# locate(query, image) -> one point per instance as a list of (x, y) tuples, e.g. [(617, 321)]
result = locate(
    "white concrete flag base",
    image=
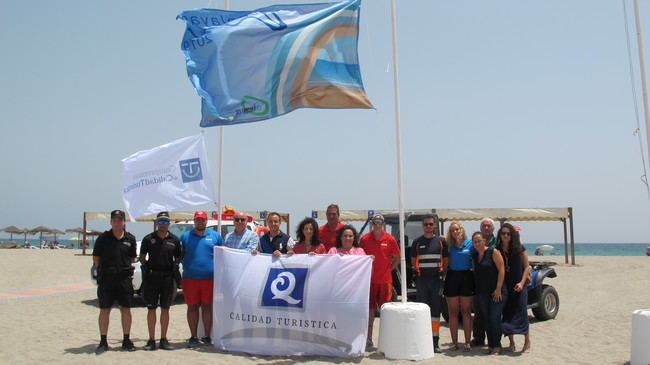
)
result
[(640, 337), (405, 331)]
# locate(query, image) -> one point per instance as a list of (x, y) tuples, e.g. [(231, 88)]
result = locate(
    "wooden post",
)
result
[(83, 243), (566, 244), (573, 252)]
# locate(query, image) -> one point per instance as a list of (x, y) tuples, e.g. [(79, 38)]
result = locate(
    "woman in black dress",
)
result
[(489, 273), (515, 313)]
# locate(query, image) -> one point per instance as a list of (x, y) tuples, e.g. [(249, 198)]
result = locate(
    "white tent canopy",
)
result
[(474, 214)]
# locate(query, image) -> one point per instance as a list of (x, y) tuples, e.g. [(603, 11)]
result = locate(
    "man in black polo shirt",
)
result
[(115, 250), (160, 252), (429, 258)]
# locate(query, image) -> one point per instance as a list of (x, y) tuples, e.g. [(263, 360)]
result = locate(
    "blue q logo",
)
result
[(191, 170), (285, 287)]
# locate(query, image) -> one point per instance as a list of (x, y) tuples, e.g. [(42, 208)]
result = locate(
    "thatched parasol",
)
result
[(11, 230), (41, 230), (56, 231)]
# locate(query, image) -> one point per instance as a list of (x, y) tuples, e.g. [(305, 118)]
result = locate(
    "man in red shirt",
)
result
[(327, 232), (383, 247)]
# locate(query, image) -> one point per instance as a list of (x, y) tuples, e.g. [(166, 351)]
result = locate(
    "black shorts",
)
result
[(113, 288), (159, 287), (459, 284)]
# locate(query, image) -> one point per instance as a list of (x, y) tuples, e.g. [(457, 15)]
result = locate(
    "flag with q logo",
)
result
[(292, 305), (168, 177)]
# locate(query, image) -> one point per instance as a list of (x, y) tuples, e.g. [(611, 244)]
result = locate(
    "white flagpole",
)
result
[(398, 138), (221, 139), (644, 86)]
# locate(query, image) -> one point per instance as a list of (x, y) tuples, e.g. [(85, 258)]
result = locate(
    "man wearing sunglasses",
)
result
[(241, 238), (160, 253), (429, 259), (383, 247)]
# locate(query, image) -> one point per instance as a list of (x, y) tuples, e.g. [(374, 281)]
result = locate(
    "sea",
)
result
[(581, 249)]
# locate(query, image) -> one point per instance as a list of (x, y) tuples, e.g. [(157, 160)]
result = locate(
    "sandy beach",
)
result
[(597, 297)]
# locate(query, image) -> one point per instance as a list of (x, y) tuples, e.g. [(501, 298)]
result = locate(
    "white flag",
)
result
[(290, 305), (168, 177)]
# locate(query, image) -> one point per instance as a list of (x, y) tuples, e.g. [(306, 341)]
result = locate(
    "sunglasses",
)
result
[(378, 223), (428, 224), (506, 234), (240, 219), (162, 221)]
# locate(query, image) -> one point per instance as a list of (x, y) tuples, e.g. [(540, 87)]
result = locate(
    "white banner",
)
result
[(168, 177), (292, 305)]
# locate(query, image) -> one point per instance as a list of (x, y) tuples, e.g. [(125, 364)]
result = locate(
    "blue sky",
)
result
[(504, 104)]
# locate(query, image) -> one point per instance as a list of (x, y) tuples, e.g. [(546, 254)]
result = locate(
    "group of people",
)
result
[(161, 252), (486, 273)]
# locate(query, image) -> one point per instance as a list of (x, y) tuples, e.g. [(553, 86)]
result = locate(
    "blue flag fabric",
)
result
[(253, 65)]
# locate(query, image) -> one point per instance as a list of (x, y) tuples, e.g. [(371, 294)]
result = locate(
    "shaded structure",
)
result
[(502, 215)]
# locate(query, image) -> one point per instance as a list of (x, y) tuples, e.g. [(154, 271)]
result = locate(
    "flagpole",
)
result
[(398, 145), (222, 130), (644, 86)]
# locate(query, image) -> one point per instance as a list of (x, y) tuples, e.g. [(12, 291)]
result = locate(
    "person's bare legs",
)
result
[(453, 305), (466, 312), (526, 347), (126, 320), (104, 316), (151, 323), (164, 322), (206, 313), (371, 321), (193, 319)]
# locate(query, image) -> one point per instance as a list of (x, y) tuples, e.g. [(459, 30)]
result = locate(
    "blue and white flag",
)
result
[(254, 65), (168, 177), (290, 305)]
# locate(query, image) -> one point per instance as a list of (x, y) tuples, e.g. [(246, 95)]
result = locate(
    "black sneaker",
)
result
[(150, 346), (369, 345), (477, 343), (206, 340), (192, 342), (127, 345), (164, 344), (103, 347), (436, 348)]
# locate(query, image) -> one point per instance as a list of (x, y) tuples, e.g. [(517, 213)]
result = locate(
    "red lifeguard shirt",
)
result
[(328, 236), (383, 250)]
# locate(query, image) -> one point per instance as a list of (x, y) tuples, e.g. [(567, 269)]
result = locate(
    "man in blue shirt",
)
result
[(242, 238), (198, 275)]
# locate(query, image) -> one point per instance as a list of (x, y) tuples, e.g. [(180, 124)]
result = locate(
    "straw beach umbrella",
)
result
[(11, 230), (56, 231), (41, 230), (77, 230)]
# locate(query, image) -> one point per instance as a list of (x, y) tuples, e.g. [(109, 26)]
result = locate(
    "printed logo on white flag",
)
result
[(167, 177), (292, 305)]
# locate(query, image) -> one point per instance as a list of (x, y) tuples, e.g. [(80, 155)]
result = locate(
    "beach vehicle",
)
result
[(543, 299), (545, 250), (178, 228)]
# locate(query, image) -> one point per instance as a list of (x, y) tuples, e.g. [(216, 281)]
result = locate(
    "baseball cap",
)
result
[(118, 214), (201, 214), (163, 215), (378, 217)]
